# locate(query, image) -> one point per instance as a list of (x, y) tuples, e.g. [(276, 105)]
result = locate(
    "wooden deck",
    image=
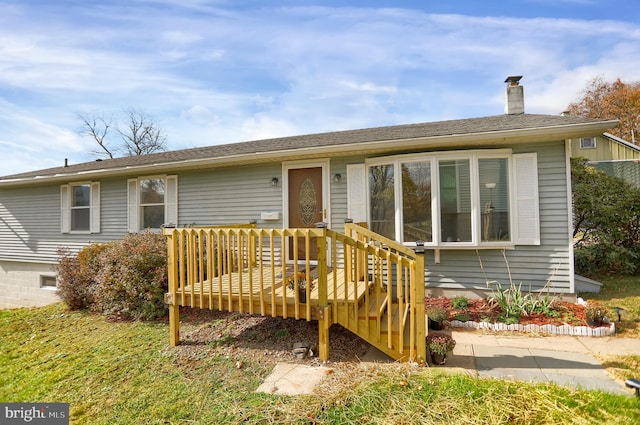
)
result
[(368, 284), (264, 292)]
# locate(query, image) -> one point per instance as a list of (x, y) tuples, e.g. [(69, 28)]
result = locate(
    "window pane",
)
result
[(152, 216), (416, 202), (494, 199), (455, 200), (152, 191), (382, 198), (81, 196), (80, 219)]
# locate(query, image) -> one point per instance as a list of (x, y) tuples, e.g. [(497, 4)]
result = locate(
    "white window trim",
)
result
[(66, 201), (473, 156), (134, 205)]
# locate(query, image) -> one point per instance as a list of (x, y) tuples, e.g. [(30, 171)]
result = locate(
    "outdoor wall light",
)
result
[(274, 182), (337, 177)]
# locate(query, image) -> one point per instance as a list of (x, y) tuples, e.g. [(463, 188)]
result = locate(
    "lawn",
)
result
[(125, 373), (624, 292)]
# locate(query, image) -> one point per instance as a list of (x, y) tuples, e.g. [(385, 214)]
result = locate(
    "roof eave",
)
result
[(517, 136)]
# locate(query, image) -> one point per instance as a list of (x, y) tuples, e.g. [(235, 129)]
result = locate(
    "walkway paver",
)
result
[(564, 360)]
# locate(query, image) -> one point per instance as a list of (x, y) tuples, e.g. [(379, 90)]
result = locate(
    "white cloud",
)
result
[(211, 73)]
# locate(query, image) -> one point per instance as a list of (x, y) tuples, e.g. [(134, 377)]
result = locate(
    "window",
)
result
[(48, 282), (494, 199), (152, 202), (587, 143), (80, 208), (382, 200), (416, 202), (456, 198)]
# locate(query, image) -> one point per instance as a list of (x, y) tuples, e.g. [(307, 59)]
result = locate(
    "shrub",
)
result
[(460, 303), (606, 216), (437, 313), (440, 343), (595, 311), (133, 279), (76, 272)]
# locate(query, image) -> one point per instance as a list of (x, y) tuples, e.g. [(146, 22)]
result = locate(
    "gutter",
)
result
[(517, 136)]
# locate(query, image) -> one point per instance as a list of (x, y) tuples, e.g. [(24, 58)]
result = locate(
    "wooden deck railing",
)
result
[(368, 284)]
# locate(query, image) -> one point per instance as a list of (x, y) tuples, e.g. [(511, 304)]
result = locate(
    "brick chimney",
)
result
[(514, 96)]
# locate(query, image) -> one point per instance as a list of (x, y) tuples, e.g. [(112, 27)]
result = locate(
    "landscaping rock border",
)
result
[(546, 329)]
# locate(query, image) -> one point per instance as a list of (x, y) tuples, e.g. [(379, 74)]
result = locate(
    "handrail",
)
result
[(393, 265), (245, 269)]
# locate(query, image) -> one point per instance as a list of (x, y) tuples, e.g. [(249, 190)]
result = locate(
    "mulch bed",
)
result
[(479, 310)]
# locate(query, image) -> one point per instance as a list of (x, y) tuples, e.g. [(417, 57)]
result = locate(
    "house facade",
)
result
[(488, 198), (604, 147)]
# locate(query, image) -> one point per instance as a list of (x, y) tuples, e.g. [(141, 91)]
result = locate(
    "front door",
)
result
[(306, 207)]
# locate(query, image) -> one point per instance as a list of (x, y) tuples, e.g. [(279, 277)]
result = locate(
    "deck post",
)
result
[(418, 301), (174, 306), (324, 309)]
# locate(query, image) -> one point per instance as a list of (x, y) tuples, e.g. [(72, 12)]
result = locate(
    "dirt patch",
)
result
[(266, 340)]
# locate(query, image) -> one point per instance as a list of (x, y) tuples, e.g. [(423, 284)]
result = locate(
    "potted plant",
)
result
[(300, 279), (437, 315), (439, 345), (595, 312)]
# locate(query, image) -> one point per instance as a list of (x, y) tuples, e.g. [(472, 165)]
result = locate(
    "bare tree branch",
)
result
[(97, 127), (142, 136)]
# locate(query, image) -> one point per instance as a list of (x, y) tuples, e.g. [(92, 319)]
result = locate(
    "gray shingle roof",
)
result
[(481, 125)]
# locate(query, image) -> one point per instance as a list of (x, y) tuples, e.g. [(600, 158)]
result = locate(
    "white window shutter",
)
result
[(133, 221), (527, 208), (357, 193), (94, 211), (65, 208), (171, 201)]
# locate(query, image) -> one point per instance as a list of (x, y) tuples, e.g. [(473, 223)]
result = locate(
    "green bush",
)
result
[(133, 279), (76, 272), (601, 259), (606, 216), (460, 303), (127, 278)]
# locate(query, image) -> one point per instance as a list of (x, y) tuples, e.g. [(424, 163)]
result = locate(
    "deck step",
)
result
[(370, 311)]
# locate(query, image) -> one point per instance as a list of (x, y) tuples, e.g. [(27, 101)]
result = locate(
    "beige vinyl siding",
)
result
[(605, 150)]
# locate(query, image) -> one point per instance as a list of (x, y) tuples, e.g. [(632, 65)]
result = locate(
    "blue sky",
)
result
[(212, 72)]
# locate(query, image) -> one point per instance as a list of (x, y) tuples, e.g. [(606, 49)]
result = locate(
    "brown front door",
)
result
[(305, 205)]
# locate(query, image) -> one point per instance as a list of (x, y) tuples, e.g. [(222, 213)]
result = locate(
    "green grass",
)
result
[(624, 292), (125, 373)]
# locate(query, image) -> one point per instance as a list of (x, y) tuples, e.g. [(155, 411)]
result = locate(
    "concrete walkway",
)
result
[(564, 360)]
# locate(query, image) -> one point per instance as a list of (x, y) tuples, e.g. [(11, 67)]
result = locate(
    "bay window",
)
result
[(454, 198)]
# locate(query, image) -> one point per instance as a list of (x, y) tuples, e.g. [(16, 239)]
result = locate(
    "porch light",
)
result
[(337, 177), (274, 182)]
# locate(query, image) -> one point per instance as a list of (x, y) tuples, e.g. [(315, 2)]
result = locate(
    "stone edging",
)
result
[(547, 329)]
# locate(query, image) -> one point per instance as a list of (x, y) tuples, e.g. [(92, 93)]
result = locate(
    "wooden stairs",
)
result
[(374, 286)]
